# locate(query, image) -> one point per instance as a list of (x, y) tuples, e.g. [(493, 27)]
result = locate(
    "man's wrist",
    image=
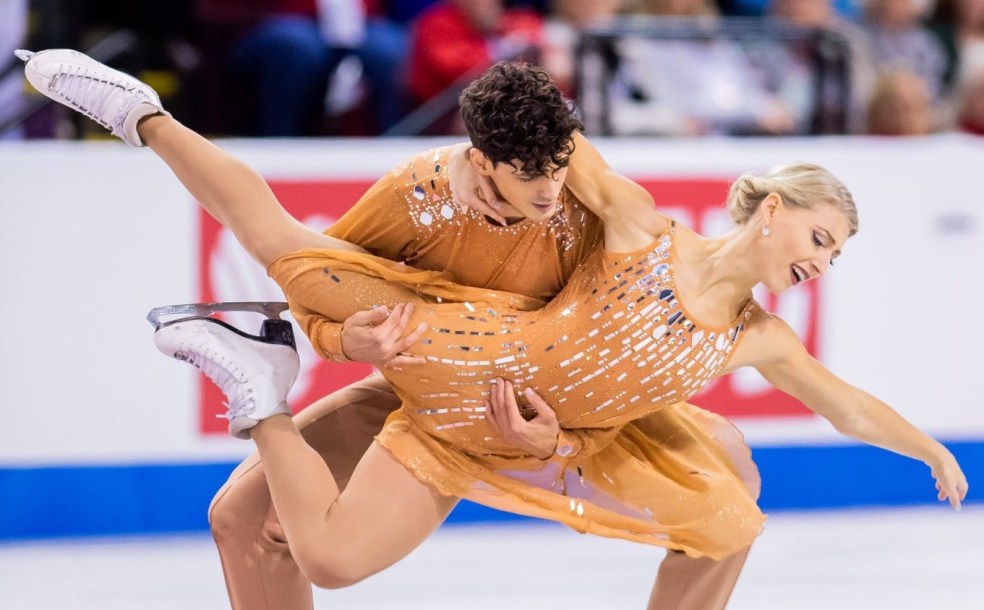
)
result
[(566, 444), (332, 341)]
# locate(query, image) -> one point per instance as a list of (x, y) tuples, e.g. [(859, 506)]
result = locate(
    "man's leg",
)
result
[(687, 583), (260, 571)]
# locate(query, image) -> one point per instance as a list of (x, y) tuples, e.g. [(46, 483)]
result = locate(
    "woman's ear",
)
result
[(771, 205)]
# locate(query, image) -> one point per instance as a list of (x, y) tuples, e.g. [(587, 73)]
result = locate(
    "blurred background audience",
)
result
[(901, 105), (13, 29), (692, 86), (289, 68)]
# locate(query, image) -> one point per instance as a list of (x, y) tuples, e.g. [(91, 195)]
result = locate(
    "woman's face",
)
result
[(802, 243)]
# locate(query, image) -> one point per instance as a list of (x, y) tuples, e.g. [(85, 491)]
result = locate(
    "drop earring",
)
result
[(765, 231)]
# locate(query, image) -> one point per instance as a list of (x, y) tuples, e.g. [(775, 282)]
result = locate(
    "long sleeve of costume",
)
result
[(369, 224)]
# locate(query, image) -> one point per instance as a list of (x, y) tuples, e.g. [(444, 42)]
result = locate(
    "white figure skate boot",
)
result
[(115, 100), (255, 372)]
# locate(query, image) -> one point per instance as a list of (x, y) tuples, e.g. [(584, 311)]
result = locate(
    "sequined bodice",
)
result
[(614, 345)]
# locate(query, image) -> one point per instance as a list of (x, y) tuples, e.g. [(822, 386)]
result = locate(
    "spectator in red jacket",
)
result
[(455, 38)]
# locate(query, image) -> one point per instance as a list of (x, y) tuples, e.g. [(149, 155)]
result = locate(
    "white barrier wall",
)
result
[(92, 235)]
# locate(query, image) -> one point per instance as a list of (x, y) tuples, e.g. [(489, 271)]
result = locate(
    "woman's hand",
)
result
[(772, 347), (469, 189), (950, 480)]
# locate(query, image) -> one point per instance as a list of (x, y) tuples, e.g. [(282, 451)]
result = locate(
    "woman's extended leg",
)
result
[(232, 192), (385, 512), (339, 539), (229, 190)]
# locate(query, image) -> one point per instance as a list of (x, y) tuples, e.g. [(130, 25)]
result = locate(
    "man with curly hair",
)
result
[(526, 235)]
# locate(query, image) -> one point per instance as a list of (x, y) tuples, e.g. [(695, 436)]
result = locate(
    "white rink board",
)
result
[(92, 235)]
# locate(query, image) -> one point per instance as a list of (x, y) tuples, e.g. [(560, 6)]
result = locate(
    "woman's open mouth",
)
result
[(797, 274)]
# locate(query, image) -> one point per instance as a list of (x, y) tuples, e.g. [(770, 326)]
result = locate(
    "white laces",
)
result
[(97, 96), (228, 376)]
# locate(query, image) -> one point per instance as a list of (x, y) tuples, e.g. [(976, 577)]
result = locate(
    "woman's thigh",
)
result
[(384, 513)]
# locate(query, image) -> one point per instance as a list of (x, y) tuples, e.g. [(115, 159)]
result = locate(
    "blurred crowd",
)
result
[(368, 67)]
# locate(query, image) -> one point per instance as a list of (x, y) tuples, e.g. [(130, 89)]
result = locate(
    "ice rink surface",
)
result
[(874, 559)]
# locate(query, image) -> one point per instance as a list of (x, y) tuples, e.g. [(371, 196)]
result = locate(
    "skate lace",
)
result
[(99, 92), (228, 376)]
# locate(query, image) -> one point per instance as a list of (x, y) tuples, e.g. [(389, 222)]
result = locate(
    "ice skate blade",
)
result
[(274, 329), (271, 309)]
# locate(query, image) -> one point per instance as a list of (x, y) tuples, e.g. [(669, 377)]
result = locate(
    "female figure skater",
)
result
[(642, 325)]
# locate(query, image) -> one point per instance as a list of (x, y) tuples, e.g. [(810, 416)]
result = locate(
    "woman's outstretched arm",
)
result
[(232, 192), (774, 349)]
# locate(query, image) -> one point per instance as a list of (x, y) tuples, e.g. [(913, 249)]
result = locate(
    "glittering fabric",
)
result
[(409, 216), (614, 354)]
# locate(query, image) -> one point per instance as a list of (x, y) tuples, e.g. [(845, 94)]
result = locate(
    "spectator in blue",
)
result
[(282, 54), (383, 53)]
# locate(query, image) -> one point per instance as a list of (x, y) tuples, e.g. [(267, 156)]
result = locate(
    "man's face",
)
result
[(521, 195)]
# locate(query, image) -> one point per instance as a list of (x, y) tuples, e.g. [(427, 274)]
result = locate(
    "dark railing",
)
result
[(827, 53)]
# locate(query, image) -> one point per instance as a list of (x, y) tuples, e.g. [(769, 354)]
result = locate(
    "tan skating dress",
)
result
[(613, 354)]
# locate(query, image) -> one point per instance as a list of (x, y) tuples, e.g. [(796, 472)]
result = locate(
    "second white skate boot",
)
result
[(255, 372)]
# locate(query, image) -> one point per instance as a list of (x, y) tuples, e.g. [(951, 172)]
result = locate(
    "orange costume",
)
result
[(614, 354)]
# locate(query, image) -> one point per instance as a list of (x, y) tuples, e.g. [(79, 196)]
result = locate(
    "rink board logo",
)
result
[(227, 273)]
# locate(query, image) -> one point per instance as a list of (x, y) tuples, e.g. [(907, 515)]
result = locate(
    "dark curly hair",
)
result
[(515, 112)]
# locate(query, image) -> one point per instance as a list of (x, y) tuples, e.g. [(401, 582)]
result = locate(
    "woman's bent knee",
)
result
[(333, 573)]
